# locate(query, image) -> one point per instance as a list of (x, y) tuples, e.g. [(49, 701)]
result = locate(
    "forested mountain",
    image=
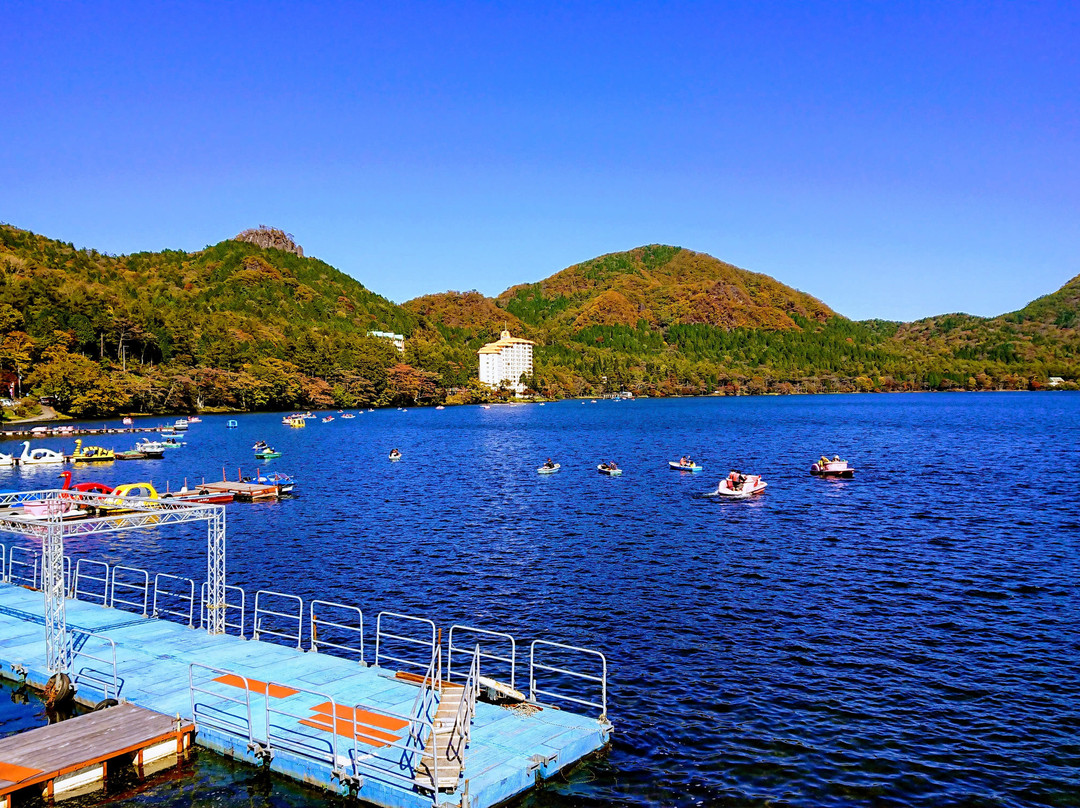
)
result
[(234, 325), (661, 286), (665, 320), (245, 326)]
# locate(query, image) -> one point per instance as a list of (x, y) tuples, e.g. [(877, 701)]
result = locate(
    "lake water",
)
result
[(908, 637)]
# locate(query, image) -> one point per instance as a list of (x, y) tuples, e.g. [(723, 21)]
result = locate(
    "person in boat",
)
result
[(548, 464), (611, 465), (824, 461), (836, 458)]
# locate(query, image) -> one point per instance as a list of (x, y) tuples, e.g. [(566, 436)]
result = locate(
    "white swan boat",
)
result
[(6, 459), (38, 457)]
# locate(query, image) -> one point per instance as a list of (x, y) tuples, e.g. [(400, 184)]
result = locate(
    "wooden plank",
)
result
[(45, 753)]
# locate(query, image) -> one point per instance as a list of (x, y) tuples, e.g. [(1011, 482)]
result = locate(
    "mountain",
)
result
[(662, 286), (233, 307), (663, 319), (251, 323)]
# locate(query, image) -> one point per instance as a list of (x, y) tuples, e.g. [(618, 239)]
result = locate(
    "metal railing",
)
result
[(216, 717), (81, 577), (168, 597), (3, 563), (129, 589), (338, 631), (230, 608), (461, 729), (508, 664), (322, 748), (23, 572), (381, 634), (258, 627), (536, 666), (108, 680), (420, 728)]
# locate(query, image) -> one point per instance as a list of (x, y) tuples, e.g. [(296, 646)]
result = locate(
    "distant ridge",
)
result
[(251, 324)]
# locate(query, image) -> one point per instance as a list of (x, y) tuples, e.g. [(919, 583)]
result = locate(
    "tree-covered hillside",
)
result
[(234, 325), (245, 326)]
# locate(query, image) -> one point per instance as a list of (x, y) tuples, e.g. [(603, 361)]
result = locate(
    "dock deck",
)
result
[(72, 756), (325, 720), (244, 492)]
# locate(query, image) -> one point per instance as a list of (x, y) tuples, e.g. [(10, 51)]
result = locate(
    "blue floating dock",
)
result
[(323, 720)]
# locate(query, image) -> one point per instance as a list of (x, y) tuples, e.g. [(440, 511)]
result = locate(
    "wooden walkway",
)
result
[(73, 756), (244, 492), (439, 743)]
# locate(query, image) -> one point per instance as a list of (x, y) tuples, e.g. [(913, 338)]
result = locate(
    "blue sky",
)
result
[(896, 160)]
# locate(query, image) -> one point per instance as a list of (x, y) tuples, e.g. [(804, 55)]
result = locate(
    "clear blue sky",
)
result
[(896, 160)]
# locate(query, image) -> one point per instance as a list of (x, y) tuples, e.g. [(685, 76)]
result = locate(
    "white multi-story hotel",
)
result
[(503, 362), (397, 339)]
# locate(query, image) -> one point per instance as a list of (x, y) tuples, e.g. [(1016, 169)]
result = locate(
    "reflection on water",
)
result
[(907, 637)]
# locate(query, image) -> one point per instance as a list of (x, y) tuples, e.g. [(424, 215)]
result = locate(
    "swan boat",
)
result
[(38, 456), (91, 454)]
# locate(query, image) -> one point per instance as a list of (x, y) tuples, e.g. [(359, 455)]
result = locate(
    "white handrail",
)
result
[(257, 626), (317, 621), (76, 589), (113, 600), (189, 597), (461, 730), (534, 666), (216, 717)]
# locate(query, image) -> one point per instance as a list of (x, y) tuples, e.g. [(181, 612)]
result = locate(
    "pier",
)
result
[(382, 710), (73, 757)]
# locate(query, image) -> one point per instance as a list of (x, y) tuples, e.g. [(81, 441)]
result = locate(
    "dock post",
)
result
[(57, 650)]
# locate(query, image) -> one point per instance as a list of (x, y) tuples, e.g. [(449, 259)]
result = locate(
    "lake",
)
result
[(907, 637)]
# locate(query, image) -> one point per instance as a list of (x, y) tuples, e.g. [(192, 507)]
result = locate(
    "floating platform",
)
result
[(328, 721), (245, 492), (73, 757)]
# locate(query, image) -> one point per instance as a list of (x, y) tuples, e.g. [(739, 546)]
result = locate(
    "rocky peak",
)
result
[(265, 236)]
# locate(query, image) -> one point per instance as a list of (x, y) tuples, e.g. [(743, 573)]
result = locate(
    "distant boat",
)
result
[(546, 469), (328, 419), (267, 453), (348, 415), (395, 454), (194, 419), (609, 469), (231, 425), (128, 421), (740, 486), (181, 424), (150, 448), (832, 468), (680, 466)]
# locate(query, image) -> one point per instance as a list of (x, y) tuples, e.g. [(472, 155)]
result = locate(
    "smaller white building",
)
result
[(502, 363), (397, 339)]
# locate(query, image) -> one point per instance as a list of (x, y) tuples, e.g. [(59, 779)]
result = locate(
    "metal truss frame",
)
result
[(109, 514)]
